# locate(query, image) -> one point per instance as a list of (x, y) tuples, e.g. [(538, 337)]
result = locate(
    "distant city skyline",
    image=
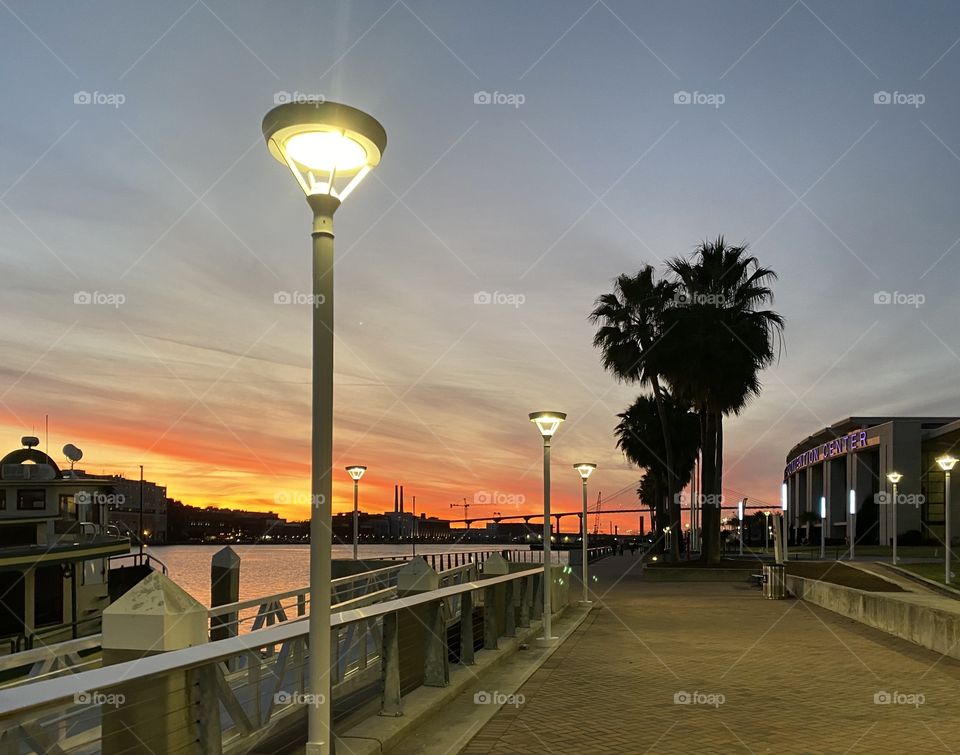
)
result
[(154, 258)]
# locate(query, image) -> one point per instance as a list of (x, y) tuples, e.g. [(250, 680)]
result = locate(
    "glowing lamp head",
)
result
[(329, 147), (783, 496), (356, 471), (946, 462), (894, 477), (853, 501), (585, 469), (547, 422), (823, 507)]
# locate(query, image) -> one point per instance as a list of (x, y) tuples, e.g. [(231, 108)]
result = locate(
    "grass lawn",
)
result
[(841, 574), (930, 571)]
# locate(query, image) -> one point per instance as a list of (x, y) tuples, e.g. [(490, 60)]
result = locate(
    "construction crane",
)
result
[(465, 506), (596, 520)]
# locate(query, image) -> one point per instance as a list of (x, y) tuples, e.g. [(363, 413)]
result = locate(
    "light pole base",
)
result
[(545, 642), (584, 603), (314, 748)]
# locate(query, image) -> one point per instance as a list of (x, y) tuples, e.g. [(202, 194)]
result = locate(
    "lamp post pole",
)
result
[(946, 463), (853, 523), (766, 531), (823, 527), (585, 469), (356, 517), (329, 148), (894, 478), (547, 423)]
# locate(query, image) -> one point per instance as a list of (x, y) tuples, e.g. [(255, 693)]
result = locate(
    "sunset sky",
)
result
[(159, 197)]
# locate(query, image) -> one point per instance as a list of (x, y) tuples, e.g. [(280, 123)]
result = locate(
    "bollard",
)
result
[(171, 712), (510, 625), (224, 589)]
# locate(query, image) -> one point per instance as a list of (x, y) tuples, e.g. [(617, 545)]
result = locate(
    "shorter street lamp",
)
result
[(823, 527), (946, 463), (894, 478), (585, 469), (853, 522), (786, 524), (766, 531), (547, 423), (356, 472), (740, 520)]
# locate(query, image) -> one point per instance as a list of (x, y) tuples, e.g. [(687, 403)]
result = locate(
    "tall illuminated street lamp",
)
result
[(786, 525), (823, 527), (547, 423), (946, 463), (894, 478), (356, 472), (585, 469), (329, 148)]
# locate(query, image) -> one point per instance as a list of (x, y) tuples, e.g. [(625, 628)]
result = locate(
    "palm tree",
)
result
[(720, 340), (631, 327), (641, 439)]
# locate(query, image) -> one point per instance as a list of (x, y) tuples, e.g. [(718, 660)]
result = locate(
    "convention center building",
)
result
[(843, 468)]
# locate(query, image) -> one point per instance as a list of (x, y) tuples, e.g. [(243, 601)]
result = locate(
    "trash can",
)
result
[(774, 584)]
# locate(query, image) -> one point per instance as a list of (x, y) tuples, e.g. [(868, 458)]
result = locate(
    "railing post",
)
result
[(466, 629), (510, 625), (537, 613), (436, 664), (489, 618), (525, 600), (390, 667)]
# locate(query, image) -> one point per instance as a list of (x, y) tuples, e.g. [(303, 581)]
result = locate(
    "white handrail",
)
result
[(22, 699)]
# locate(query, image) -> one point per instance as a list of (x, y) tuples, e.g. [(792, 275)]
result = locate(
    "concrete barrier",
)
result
[(904, 615)]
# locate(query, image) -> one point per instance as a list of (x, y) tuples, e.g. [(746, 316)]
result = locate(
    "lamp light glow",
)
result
[(585, 469), (946, 462), (547, 422), (328, 147), (783, 496), (823, 507), (894, 477), (853, 501), (356, 471)]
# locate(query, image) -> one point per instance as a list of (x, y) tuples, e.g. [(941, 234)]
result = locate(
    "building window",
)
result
[(32, 499), (68, 507)]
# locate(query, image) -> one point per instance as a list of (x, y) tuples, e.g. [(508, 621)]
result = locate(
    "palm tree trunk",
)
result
[(673, 504), (710, 550)]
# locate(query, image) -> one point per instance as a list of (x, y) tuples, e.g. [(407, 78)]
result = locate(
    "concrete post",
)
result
[(436, 664), (172, 712), (224, 589), (490, 618), (526, 597)]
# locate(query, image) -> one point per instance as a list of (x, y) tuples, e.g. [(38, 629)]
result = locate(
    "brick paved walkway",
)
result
[(794, 679)]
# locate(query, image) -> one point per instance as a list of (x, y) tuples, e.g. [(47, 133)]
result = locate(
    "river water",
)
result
[(269, 569)]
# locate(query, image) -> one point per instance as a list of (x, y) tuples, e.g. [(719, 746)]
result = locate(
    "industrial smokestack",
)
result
[(401, 499), (395, 500)]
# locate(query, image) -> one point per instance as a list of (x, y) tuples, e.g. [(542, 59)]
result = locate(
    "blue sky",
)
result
[(169, 199)]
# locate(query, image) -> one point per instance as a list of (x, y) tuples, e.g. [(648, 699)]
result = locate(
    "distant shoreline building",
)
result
[(856, 454)]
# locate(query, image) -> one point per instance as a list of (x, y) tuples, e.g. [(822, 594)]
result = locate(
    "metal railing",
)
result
[(227, 696)]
